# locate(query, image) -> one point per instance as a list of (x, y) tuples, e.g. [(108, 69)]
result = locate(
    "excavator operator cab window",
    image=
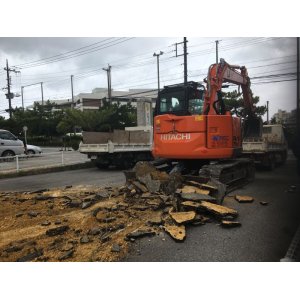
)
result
[(173, 102), (196, 102)]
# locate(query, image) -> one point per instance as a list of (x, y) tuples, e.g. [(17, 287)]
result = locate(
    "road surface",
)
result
[(265, 234)]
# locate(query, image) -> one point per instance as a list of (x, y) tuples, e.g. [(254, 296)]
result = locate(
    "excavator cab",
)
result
[(181, 99)]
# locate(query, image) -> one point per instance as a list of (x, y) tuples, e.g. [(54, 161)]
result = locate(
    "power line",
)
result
[(106, 45), (62, 54)]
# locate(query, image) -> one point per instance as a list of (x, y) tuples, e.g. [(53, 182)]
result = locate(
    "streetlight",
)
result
[(157, 57)]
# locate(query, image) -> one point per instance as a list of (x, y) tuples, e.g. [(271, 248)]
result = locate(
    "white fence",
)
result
[(37, 161)]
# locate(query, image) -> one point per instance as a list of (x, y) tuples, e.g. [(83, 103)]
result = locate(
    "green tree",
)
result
[(106, 119), (235, 103)]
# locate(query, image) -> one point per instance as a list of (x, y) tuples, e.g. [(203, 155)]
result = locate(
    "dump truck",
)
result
[(268, 151), (122, 148)]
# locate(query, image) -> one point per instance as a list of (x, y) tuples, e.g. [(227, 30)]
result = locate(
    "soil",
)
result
[(23, 235)]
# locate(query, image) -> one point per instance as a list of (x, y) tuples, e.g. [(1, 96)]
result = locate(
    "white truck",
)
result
[(268, 151), (121, 148)]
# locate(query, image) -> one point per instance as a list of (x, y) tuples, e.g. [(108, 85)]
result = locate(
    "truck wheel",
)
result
[(283, 157), (271, 163)]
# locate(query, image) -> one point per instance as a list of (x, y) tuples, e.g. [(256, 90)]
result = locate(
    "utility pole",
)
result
[(9, 95), (72, 91), (185, 59), (184, 55), (298, 87), (217, 51), (22, 94), (157, 58), (108, 71), (217, 54), (267, 111), (109, 75), (42, 91), (8, 90)]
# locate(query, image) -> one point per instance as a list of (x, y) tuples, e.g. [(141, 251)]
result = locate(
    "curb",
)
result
[(78, 166), (293, 253)]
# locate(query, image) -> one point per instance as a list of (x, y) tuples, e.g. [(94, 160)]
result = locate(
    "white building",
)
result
[(95, 99)]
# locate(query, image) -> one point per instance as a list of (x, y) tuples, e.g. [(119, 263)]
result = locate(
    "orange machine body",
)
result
[(197, 136)]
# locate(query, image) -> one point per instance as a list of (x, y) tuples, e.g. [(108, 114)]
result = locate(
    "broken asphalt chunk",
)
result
[(19, 214), (140, 186), (31, 256), (105, 237), (14, 248), (84, 239), (197, 197), (139, 233), (155, 221), (86, 204), (230, 224), (75, 203), (67, 255), (32, 214), (243, 199), (183, 217), (46, 223), (57, 231), (218, 210), (192, 189), (115, 248), (95, 231), (176, 232)]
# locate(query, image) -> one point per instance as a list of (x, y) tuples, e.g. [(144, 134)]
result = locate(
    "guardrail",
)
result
[(23, 162)]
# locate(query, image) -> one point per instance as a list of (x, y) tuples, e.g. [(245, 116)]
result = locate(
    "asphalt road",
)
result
[(90, 176), (265, 234)]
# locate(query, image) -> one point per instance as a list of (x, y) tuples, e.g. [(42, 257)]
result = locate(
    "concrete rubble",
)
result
[(99, 224), (244, 199)]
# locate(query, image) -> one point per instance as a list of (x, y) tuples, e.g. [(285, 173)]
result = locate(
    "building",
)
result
[(284, 117), (95, 99)]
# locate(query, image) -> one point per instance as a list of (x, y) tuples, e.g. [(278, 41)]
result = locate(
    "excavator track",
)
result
[(233, 173)]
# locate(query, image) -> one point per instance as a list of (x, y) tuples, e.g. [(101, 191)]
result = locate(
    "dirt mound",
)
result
[(93, 224)]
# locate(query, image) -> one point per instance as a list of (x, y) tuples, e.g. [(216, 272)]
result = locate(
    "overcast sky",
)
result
[(133, 65)]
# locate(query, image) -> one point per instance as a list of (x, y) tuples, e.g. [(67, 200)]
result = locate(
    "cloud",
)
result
[(133, 65)]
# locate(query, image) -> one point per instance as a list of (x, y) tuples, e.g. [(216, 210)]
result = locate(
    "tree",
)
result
[(41, 120), (235, 103), (106, 119)]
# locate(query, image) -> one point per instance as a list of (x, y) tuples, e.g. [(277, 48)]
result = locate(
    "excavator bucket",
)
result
[(252, 127)]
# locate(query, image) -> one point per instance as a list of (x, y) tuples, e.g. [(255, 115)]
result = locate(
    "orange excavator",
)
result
[(193, 128)]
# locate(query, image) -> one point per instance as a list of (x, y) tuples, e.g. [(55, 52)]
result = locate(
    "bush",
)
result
[(72, 141), (44, 141)]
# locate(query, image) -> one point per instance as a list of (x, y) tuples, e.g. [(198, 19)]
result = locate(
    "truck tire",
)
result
[(283, 157), (271, 163)]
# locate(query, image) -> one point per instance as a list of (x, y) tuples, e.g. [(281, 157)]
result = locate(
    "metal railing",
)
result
[(36, 161)]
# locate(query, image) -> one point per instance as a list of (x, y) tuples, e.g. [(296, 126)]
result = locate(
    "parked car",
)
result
[(31, 150), (10, 145)]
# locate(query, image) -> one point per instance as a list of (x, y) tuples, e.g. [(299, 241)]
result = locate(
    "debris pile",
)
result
[(98, 224)]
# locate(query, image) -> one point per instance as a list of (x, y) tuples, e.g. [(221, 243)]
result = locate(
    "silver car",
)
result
[(9, 144), (31, 150)]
